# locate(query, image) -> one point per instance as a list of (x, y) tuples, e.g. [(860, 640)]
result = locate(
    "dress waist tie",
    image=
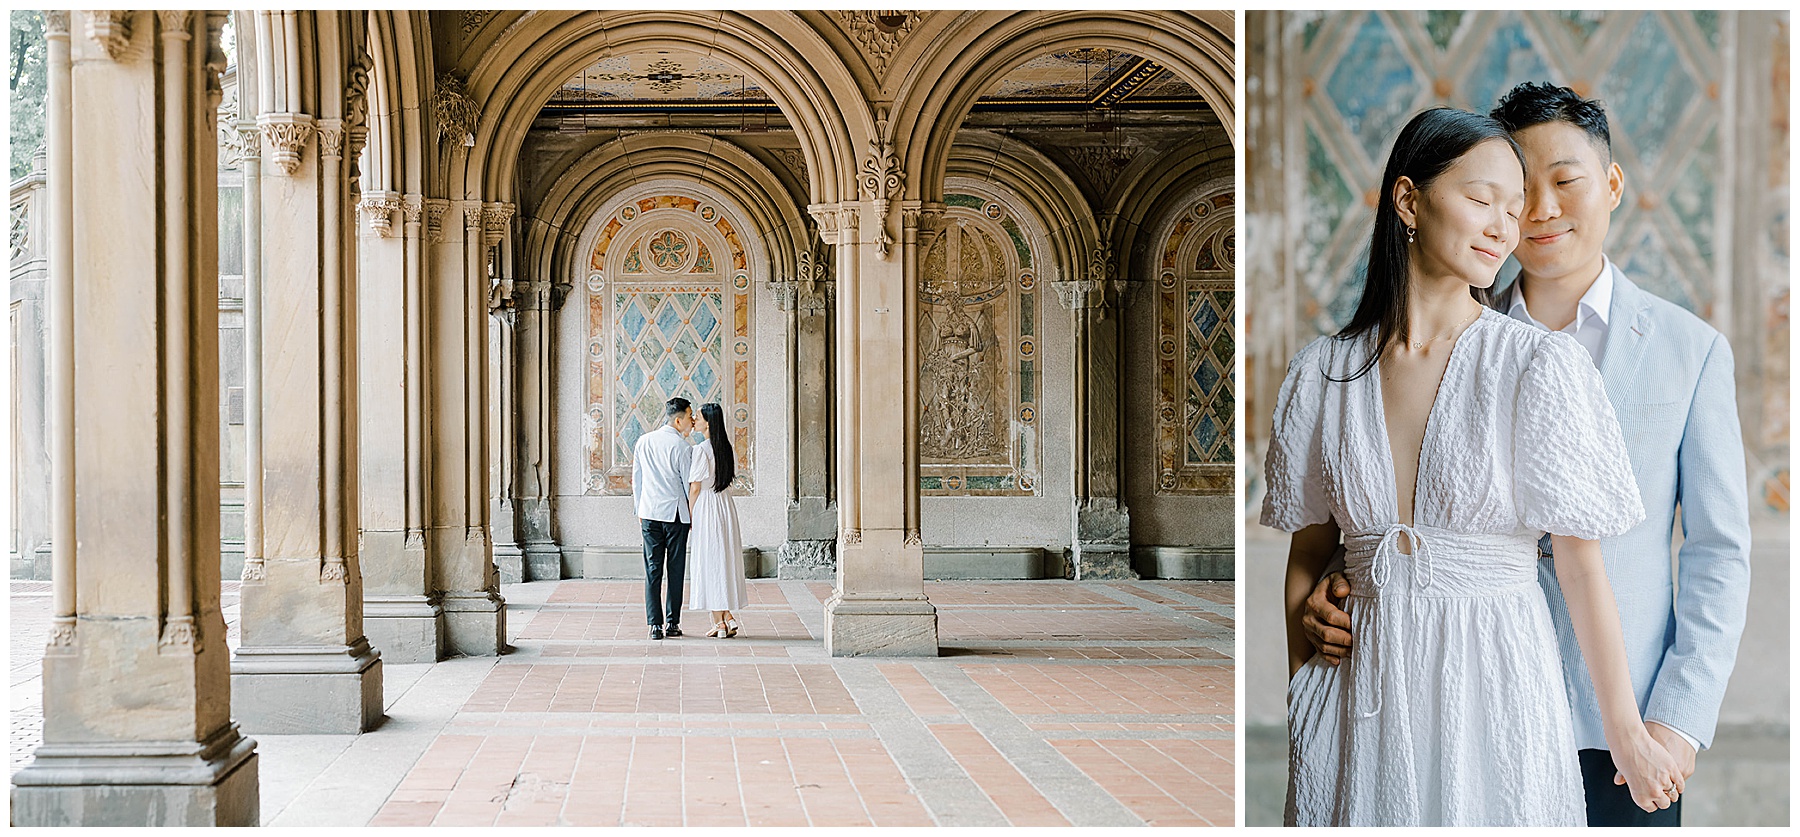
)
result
[(1387, 551)]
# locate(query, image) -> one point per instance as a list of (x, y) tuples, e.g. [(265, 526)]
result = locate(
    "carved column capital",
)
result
[(175, 23), (471, 218), (111, 29), (286, 134), (435, 208), (331, 139), (837, 222), (56, 23), (496, 216), (379, 207), (1079, 294), (249, 136), (413, 206)]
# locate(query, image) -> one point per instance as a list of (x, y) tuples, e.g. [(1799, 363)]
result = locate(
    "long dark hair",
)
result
[(1432, 142), (718, 434)]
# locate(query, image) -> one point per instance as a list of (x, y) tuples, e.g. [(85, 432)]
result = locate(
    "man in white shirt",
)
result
[(659, 466), (1669, 377)]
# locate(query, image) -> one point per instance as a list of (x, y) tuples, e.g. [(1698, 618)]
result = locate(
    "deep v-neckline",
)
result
[(1387, 441)]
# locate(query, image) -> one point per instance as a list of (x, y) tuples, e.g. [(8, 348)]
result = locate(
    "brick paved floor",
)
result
[(1053, 703)]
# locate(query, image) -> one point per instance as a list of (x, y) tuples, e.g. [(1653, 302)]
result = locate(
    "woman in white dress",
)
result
[(1439, 440), (715, 549)]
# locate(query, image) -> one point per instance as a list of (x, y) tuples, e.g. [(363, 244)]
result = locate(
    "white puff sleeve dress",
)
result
[(1451, 709)]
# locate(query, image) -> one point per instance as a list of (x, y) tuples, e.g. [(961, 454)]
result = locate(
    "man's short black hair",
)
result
[(676, 407), (1534, 103)]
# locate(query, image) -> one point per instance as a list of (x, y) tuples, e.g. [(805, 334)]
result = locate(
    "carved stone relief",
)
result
[(879, 33), (978, 354)]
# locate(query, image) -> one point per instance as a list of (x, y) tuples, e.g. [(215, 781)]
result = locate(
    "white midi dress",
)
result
[(715, 564), (1451, 708)]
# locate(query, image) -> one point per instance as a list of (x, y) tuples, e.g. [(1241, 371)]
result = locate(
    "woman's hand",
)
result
[(1653, 775)]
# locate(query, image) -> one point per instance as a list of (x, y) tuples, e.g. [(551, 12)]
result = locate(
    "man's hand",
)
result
[(1676, 745), (1326, 623)]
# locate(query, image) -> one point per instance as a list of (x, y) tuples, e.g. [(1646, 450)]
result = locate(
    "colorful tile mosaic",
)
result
[(664, 321), (1688, 125), (1658, 73), (1196, 346), (978, 431)]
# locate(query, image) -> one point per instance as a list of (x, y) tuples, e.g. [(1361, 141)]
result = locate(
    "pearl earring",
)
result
[(1411, 233)]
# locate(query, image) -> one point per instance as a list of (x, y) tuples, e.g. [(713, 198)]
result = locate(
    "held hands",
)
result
[(1324, 619), (1656, 778), (1676, 745)]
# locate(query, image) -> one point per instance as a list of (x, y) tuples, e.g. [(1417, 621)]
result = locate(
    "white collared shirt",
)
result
[(659, 466), (1590, 327)]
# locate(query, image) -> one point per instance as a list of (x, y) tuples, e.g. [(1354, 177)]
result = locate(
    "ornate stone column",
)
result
[(137, 727), (879, 606), (401, 612), (474, 614), (543, 557), (1101, 539), (502, 390), (304, 665), (810, 550)]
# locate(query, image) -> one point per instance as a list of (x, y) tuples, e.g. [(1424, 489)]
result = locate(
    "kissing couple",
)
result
[(683, 497), (1502, 471)]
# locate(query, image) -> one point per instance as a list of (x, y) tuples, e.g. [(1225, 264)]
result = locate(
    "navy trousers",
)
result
[(1609, 804), (665, 554)]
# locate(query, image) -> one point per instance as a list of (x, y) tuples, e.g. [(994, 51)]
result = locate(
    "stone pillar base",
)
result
[(307, 689), (807, 560), (474, 623), (543, 561), (880, 627), (1101, 562), (1184, 562), (510, 560), (180, 783), (405, 629)]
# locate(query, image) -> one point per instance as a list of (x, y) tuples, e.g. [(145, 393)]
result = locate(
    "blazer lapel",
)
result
[(1627, 337)]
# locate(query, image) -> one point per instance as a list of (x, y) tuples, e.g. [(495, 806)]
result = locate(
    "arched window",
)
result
[(668, 293), (1196, 339)]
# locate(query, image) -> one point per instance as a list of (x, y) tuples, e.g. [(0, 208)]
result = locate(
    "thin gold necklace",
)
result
[(1453, 330)]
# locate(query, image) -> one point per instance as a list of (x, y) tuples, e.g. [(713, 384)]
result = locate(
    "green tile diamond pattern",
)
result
[(1211, 391), (1363, 74), (668, 344)]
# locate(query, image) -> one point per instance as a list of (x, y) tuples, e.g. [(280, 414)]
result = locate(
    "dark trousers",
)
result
[(665, 553), (1609, 804)]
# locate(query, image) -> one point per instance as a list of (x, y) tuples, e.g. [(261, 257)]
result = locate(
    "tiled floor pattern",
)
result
[(1054, 703)]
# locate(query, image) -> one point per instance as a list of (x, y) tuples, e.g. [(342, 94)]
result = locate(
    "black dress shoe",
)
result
[(673, 631), (656, 633)]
